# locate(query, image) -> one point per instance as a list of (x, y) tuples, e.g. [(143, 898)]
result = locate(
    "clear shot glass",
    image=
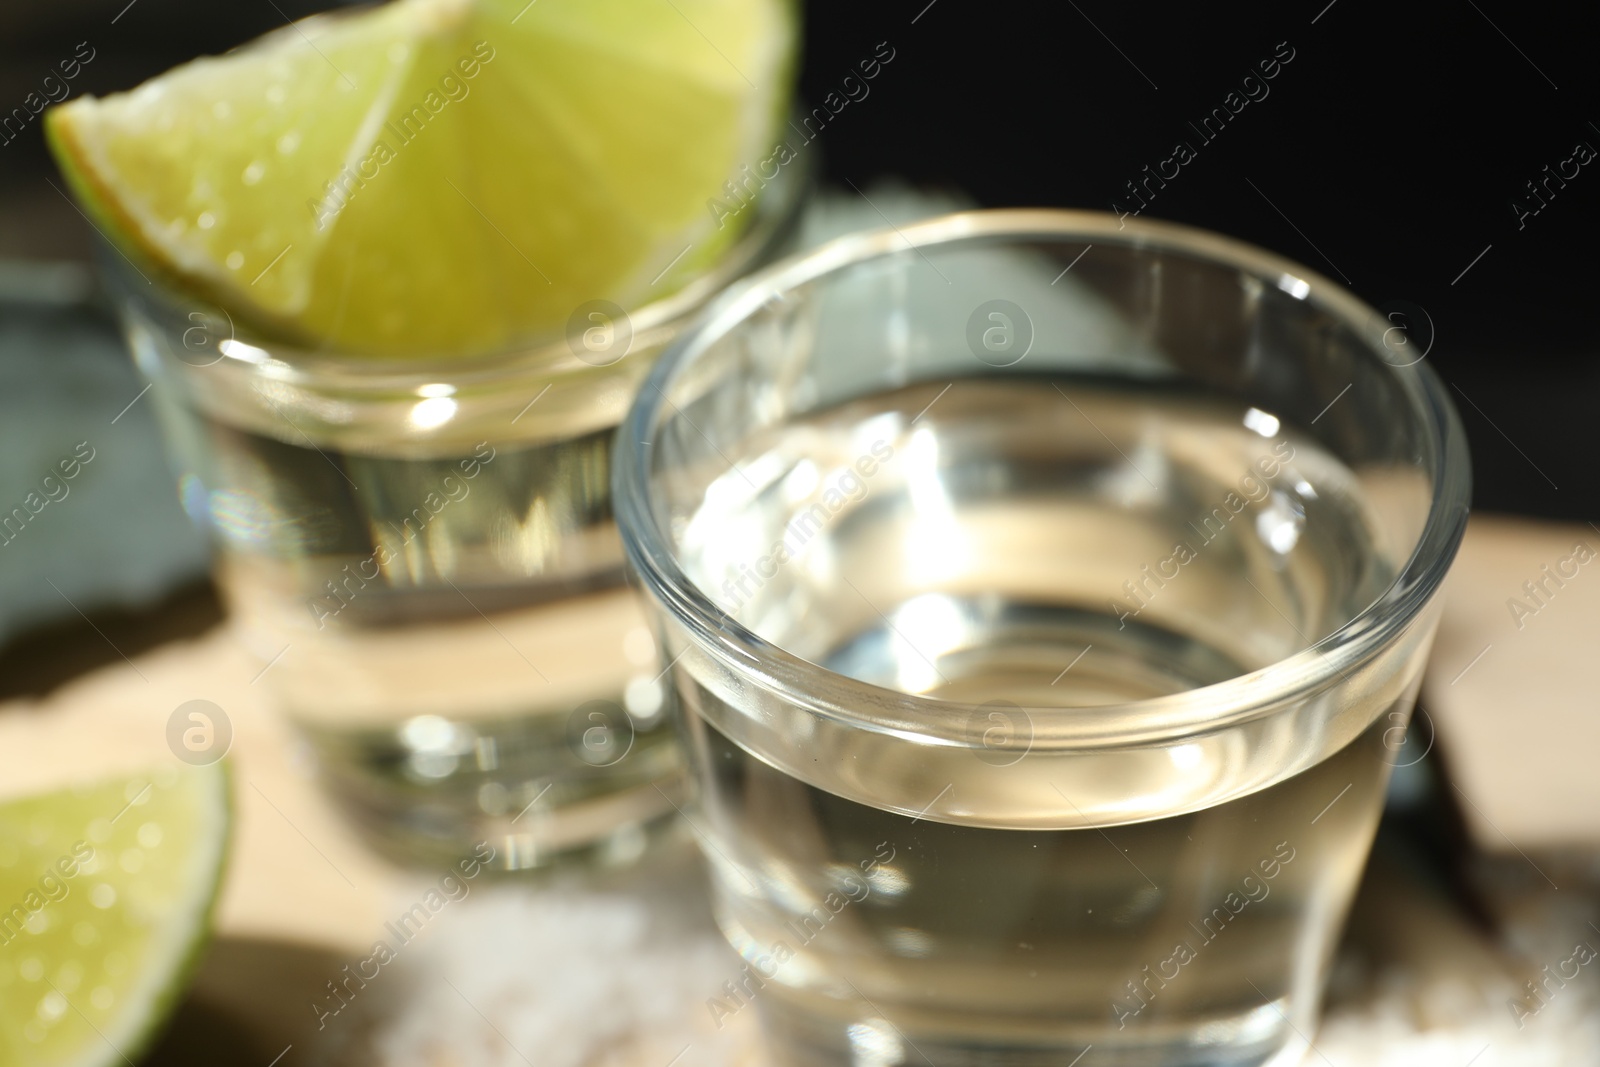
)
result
[(422, 555), (1046, 597)]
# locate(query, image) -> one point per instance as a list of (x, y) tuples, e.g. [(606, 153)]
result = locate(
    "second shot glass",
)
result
[(422, 555)]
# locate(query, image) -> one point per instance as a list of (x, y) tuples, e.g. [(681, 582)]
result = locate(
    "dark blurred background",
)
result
[(1388, 152)]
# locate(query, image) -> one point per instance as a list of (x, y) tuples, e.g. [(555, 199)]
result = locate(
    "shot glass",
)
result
[(1046, 597), (422, 556)]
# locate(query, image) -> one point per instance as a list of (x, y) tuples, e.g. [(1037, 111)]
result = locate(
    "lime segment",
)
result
[(440, 176), (105, 898)]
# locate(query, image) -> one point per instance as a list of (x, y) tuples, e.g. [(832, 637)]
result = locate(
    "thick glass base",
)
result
[(813, 1035), (504, 783)]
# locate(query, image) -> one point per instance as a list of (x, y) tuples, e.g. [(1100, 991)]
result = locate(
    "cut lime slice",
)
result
[(106, 893), (442, 176)]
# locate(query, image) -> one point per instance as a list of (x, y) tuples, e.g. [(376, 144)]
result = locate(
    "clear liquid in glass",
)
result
[(1029, 543), (452, 634)]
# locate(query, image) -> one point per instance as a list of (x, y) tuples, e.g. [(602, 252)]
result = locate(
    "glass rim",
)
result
[(851, 702), (777, 215)]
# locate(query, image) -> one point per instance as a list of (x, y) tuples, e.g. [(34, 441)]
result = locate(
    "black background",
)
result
[(1388, 152)]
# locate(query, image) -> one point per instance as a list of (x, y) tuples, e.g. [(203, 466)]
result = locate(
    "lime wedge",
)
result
[(442, 176), (106, 893)]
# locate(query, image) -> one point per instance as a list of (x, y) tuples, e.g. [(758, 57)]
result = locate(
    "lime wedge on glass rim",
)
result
[(106, 893), (440, 176)]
